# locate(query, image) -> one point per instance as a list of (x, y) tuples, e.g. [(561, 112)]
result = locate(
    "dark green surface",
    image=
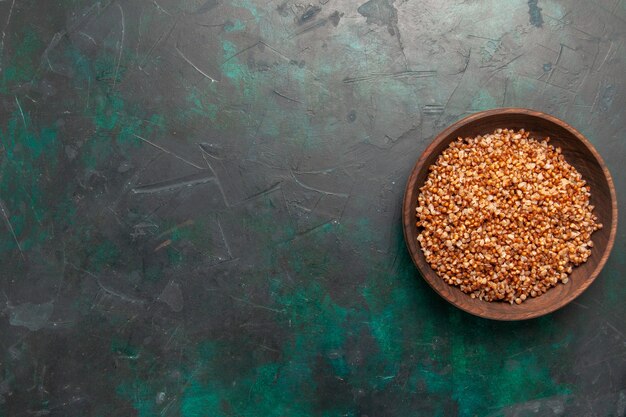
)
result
[(201, 207)]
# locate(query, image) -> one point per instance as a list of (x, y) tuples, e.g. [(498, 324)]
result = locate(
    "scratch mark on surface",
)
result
[(21, 112), (269, 190), (504, 65), (506, 88), (121, 47), (203, 148), (174, 332), (431, 109), (483, 37), (301, 207), (168, 152), (219, 225), (557, 86), (401, 74), (617, 3), (217, 179), (88, 93), (545, 47), (71, 28), (284, 57), (213, 25), (319, 171), (258, 126), (6, 25), (207, 76), (286, 98), (142, 229), (164, 244), (53, 44), (174, 184), (558, 59), (564, 22), (10, 226), (165, 35), (309, 28), (117, 217), (609, 12), (401, 45), (259, 324), (250, 303), (595, 100), (453, 91), (580, 305), (269, 348), (177, 227), (252, 46), (345, 206), (308, 187), (467, 61), (139, 32), (525, 351), (96, 7), (166, 409), (133, 180), (615, 330), (88, 37), (313, 229), (608, 53), (108, 290), (511, 61), (554, 67), (591, 37), (603, 360), (159, 8), (244, 50)]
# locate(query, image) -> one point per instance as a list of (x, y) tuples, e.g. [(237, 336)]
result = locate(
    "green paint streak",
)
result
[(103, 255), (236, 26), (30, 155), (117, 130), (614, 291), (483, 101), (231, 67), (174, 256), (22, 65), (480, 381), (383, 323), (141, 395), (270, 389), (283, 121), (200, 401), (319, 327), (201, 106)]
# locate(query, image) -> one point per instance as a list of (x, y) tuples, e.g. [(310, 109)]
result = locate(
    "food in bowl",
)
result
[(504, 217)]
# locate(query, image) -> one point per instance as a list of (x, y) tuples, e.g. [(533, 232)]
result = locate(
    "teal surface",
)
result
[(201, 207)]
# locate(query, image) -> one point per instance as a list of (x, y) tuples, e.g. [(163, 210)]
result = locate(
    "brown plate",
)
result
[(578, 152)]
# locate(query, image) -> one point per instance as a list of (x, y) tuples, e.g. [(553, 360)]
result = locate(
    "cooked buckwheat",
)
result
[(504, 216)]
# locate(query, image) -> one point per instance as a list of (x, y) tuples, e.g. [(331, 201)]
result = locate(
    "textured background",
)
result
[(201, 207)]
